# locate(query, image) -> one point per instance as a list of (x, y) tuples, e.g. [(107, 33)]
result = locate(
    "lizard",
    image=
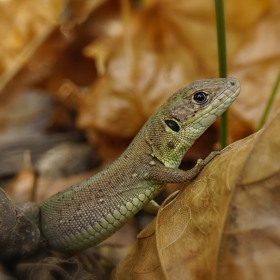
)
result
[(89, 212)]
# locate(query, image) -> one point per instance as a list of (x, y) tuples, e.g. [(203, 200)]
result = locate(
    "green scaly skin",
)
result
[(89, 212)]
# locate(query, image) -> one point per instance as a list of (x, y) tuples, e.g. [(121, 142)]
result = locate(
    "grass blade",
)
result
[(270, 102), (221, 36)]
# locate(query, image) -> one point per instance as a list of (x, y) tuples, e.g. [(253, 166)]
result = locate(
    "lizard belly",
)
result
[(67, 230)]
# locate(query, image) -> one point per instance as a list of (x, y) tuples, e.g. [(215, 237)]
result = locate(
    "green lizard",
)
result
[(89, 212)]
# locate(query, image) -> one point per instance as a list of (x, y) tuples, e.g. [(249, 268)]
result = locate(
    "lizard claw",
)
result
[(211, 156)]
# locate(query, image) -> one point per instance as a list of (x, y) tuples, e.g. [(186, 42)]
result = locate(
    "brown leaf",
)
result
[(125, 70), (223, 225), (22, 187), (22, 30), (256, 64), (140, 67), (34, 41)]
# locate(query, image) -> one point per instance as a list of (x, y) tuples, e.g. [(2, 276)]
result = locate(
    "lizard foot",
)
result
[(211, 156)]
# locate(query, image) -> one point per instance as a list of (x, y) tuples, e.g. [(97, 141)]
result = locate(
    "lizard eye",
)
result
[(200, 97), (173, 125)]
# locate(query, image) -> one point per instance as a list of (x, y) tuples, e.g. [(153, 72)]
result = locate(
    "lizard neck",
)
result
[(163, 145)]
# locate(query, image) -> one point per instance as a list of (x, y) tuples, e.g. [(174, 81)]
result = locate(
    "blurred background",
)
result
[(78, 79)]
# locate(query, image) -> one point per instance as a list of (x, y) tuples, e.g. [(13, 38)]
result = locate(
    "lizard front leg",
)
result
[(174, 175)]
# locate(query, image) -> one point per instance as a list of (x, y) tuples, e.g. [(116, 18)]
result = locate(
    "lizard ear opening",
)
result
[(173, 125)]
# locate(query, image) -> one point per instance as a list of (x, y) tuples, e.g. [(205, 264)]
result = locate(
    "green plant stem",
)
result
[(221, 36), (270, 102)]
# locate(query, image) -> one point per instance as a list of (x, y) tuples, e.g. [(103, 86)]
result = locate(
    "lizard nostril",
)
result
[(232, 83)]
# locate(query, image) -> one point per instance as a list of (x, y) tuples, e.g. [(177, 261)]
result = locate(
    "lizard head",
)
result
[(186, 115)]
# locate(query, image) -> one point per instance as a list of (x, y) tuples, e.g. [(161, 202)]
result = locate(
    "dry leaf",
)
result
[(35, 42), (223, 225), (20, 27), (137, 68), (256, 64), (140, 67), (22, 187)]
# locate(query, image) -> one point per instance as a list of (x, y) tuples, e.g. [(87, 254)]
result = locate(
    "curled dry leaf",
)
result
[(22, 187), (223, 225)]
